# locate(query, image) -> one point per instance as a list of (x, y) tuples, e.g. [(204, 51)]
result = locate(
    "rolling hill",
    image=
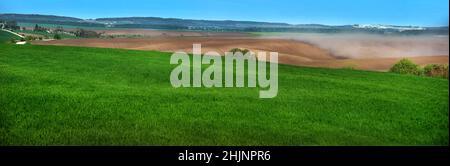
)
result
[(58, 95)]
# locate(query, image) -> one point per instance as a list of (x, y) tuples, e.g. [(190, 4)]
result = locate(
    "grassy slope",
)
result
[(6, 36), (52, 95)]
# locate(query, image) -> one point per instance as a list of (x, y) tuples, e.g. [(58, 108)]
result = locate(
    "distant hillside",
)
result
[(140, 22), (216, 25), (48, 19), (187, 22), (37, 17)]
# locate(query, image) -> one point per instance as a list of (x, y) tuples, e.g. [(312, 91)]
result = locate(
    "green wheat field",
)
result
[(58, 95)]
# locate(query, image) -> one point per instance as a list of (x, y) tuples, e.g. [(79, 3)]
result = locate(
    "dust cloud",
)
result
[(359, 46)]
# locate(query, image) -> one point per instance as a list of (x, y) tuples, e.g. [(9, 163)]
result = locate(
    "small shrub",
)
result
[(57, 36), (435, 70), (405, 66), (243, 51), (28, 38)]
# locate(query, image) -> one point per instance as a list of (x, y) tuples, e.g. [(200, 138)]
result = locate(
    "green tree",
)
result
[(36, 27), (57, 36)]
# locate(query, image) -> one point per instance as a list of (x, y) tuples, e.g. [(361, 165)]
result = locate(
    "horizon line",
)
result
[(199, 19)]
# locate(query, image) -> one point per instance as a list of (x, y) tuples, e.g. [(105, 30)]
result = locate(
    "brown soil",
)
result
[(290, 51)]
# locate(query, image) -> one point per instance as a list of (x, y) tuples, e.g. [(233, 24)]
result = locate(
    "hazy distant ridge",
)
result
[(215, 25)]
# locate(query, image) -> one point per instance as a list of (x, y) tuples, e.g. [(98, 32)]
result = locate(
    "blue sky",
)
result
[(332, 12)]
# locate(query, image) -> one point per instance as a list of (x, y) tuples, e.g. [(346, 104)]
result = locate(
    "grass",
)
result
[(49, 35), (6, 36), (55, 95)]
